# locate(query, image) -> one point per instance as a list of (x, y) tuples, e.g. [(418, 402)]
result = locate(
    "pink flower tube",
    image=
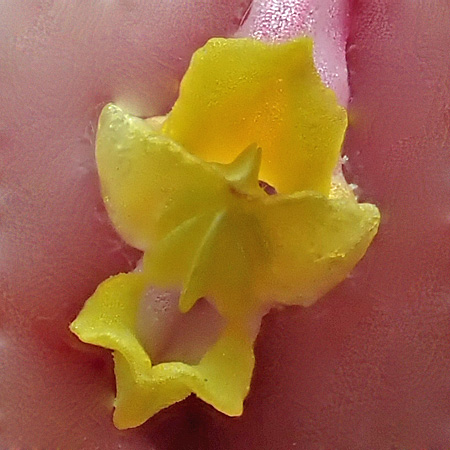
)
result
[(367, 367)]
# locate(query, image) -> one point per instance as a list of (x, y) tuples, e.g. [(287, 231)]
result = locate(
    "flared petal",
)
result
[(241, 91), (313, 243), (222, 378), (149, 183)]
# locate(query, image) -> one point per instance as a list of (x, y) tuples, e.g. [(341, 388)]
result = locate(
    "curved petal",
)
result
[(108, 318), (240, 91), (149, 183), (222, 378), (314, 243)]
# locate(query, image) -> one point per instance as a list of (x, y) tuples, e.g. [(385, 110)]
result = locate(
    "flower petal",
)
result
[(240, 91), (314, 243), (222, 378), (149, 183), (108, 318)]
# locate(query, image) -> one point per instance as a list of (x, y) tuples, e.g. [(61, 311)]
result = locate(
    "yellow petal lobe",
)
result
[(146, 178), (222, 378), (240, 91)]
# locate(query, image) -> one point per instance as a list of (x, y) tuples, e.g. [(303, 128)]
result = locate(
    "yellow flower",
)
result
[(186, 190)]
